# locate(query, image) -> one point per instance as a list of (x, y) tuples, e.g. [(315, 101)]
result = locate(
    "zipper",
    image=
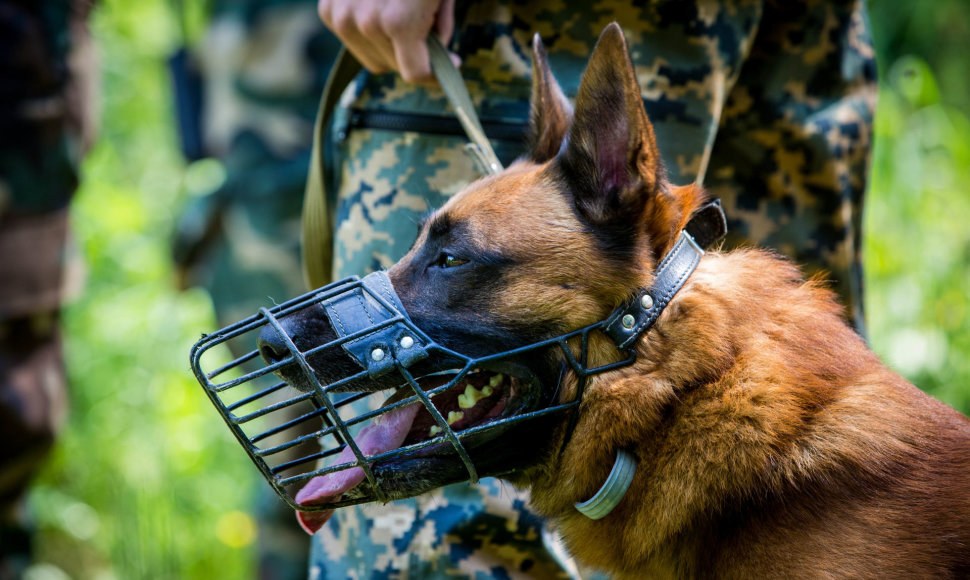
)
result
[(434, 124)]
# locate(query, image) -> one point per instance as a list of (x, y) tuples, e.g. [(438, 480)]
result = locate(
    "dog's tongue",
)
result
[(387, 432)]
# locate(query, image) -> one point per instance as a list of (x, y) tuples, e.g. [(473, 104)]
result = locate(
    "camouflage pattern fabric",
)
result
[(769, 104), (45, 125), (791, 154), (263, 65)]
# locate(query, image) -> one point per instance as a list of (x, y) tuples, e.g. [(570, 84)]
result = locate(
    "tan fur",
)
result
[(751, 395), (770, 441)]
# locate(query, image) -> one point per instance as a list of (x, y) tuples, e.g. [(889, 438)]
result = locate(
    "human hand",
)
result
[(388, 35)]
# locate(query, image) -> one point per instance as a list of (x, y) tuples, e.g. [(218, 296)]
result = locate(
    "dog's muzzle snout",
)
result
[(338, 435), (279, 344), (362, 327), (450, 416)]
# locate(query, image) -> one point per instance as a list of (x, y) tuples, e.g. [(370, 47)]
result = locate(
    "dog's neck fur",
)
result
[(715, 375), (768, 438)]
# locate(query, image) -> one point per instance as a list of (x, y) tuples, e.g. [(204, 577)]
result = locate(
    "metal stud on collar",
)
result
[(646, 302)]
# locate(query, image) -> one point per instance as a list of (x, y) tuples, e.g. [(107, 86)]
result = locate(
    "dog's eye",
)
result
[(449, 261)]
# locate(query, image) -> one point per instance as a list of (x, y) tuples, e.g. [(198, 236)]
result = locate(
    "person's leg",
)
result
[(33, 406), (263, 65), (46, 124)]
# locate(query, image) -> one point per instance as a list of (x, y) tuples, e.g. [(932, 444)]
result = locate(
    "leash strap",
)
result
[(628, 322), (318, 221), (454, 88)]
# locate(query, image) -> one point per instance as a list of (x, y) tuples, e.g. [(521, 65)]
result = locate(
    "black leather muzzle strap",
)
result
[(373, 313), (628, 322)]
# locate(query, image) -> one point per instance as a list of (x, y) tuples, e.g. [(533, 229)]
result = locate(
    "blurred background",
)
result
[(146, 481)]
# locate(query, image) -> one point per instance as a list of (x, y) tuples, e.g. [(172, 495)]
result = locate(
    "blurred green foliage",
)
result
[(146, 481), (917, 239)]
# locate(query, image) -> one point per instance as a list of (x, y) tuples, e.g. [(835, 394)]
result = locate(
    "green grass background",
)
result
[(146, 481)]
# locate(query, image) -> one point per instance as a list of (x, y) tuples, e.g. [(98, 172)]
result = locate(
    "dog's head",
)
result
[(554, 243), (562, 237)]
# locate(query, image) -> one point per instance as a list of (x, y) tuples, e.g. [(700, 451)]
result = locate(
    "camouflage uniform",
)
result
[(263, 65), (769, 104), (44, 127)]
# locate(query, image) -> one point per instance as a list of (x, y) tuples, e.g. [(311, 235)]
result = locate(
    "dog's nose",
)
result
[(272, 347), (310, 332)]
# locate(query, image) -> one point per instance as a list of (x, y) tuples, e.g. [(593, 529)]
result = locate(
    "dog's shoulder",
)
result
[(752, 396)]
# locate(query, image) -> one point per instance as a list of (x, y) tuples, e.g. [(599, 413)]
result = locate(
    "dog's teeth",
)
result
[(455, 416), (471, 396), (494, 382), (434, 430), (468, 399)]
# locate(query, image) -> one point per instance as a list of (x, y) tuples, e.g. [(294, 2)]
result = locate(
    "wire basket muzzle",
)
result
[(298, 418), (304, 387), (289, 421)]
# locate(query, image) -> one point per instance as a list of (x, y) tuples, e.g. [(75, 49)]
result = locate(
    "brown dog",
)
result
[(769, 441)]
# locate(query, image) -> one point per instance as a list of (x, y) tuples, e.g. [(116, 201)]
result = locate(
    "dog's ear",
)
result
[(611, 160), (551, 111)]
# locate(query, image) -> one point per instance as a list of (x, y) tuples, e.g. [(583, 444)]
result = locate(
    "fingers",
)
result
[(349, 21), (389, 35), (445, 27), (413, 61), (445, 21)]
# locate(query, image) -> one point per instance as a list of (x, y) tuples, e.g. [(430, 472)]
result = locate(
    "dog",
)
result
[(768, 440)]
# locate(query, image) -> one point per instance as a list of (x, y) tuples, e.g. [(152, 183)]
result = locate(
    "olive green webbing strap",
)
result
[(317, 236), (317, 219), (454, 88)]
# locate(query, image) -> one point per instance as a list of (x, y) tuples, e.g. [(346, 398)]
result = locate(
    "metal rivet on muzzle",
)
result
[(628, 321), (646, 302), (407, 342), (377, 354)]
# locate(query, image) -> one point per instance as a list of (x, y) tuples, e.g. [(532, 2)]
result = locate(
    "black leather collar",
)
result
[(628, 322)]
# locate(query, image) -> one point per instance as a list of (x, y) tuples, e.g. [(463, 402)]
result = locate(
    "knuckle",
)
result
[(342, 21), (396, 23), (370, 25), (323, 11)]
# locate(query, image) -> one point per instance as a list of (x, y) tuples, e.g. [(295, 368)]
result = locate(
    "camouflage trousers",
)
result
[(36, 275), (46, 79), (768, 104)]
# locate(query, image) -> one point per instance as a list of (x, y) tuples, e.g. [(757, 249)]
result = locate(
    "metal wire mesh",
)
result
[(291, 434)]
